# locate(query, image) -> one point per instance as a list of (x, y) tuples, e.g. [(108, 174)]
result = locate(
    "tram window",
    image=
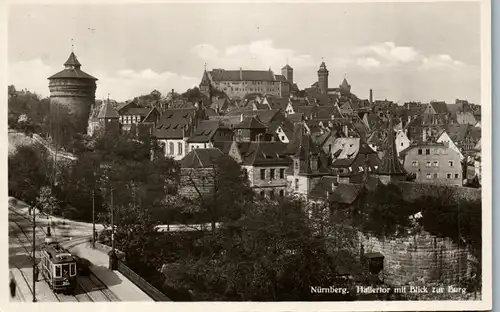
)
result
[(57, 270), (65, 269), (72, 268)]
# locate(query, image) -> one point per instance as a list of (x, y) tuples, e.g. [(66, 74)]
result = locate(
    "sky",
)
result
[(403, 51)]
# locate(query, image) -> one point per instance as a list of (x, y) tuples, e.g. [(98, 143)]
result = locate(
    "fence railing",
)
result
[(150, 290), (144, 285)]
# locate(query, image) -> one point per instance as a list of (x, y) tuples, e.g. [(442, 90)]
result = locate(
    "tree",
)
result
[(28, 172), (220, 192), (269, 253), (193, 95), (47, 202)]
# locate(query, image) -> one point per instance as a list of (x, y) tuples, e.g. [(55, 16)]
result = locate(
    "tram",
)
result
[(58, 267)]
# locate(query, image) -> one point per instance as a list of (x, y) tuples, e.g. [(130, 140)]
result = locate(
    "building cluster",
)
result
[(319, 142)]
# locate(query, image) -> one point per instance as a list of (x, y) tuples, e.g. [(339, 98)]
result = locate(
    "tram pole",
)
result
[(34, 256)]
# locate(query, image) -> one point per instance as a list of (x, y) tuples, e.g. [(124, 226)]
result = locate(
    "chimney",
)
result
[(346, 131), (241, 73), (172, 98), (371, 96), (241, 117), (409, 119), (424, 135)]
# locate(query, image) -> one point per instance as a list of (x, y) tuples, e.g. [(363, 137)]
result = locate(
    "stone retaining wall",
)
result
[(418, 258)]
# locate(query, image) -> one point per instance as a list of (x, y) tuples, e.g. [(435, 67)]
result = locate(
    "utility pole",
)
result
[(112, 225), (34, 256), (93, 219)]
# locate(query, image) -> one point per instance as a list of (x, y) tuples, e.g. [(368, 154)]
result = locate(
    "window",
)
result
[(282, 138), (271, 175), (262, 194), (57, 269), (282, 173), (296, 164), (271, 194), (282, 193), (427, 151), (420, 151), (401, 143), (456, 175), (414, 163), (179, 148), (428, 176), (427, 163), (262, 174), (72, 269), (450, 163), (329, 148), (448, 176), (435, 175), (435, 164), (171, 148), (296, 184)]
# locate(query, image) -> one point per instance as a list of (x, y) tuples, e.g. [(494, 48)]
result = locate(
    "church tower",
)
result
[(323, 78), (72, 91)]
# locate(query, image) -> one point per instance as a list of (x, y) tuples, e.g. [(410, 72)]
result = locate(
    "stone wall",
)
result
[(196, 180), (418, 258)]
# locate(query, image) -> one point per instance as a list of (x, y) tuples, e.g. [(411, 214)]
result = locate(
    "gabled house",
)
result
[(447, 140), (353, 163), (433, 163), (251, 129), (174, 128), (276, 103), (436, 108), (106, 120), (464, 136), (131, 114), (207, 133), (220, 105), (265, 164)]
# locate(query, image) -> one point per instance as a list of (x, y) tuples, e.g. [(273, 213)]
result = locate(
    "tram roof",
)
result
[(57, 253)]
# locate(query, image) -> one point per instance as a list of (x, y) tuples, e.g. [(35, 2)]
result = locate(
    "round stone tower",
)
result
[(323, 78), (72, 91)]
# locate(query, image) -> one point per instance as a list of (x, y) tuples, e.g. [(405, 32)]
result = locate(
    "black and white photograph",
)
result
[(334, 155)]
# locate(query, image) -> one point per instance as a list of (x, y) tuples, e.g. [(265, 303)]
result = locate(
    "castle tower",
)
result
[(72, 91), (345, 86), (287, 71), (323, 78)]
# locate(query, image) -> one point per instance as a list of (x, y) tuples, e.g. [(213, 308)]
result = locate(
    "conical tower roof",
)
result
[(72, 70), (72, 61), (107, 111), (390, 164), (345, 83)]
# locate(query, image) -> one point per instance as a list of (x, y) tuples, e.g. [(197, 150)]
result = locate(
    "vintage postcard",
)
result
[(239, 156)]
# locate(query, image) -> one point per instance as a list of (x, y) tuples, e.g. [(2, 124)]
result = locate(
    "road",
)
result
[(89, 289)]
